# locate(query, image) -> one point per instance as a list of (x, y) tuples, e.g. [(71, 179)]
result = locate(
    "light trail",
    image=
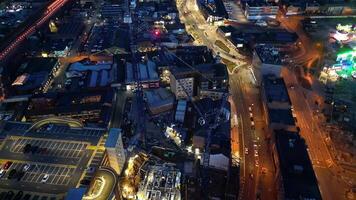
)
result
[(51, 10)]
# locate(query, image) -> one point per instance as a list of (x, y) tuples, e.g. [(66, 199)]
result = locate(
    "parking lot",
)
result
[(62, 149), (58, 175), (67, 132)]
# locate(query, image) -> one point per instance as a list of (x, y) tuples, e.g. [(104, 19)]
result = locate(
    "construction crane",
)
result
[(202, 119)]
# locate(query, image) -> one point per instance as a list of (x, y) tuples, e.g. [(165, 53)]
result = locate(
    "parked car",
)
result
[(2, 172), (7, 165), (26, 167), (45, 178)]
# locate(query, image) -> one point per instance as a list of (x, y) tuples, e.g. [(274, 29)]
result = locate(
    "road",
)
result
[(332, 180), (51, 10), (309, 52), (257, 171), (204, 32), (243, 93)]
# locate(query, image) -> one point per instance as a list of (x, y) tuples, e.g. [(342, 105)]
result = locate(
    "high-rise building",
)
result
[(114, 151)]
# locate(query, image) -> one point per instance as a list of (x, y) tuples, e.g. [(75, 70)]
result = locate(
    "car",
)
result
[(12, 173), (49, 127), (19, 175), (7, 165), (18, 195), (250, 108), (90, 170), (45, 178), (2, 172), (246, 150), (9, 195), (251, 175), (257, 163), (26, 167), (256, 153), (26, 197)]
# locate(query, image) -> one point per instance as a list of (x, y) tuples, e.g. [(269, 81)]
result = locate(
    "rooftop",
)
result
[(38, 64), (161, 182), (214, 8), (72, 103), (298, 177), (113, 136), (268, 54), (193, 55), (275, 89), (281, 116), (159, 100)]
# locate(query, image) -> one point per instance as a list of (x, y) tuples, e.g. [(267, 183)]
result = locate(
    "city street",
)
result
[(332, 181), (206, 33), (257, 171), (254, 155)]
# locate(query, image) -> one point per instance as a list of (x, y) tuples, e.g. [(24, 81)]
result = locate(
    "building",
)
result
[(212, 10), (68, 29), (268, 59), (257, 10), (159, 100), (160, 182), (147, 72), (115, 156), (111, 11), (212, 80), (90, 107), (35, 75), (180, 111), (295, 176), (193, 55), (91, 74), (182, 82), (274, 92), (57, 48), (202, 80), (320, 7), (276, 104), (225, 31), (281, 119), (271, 38)]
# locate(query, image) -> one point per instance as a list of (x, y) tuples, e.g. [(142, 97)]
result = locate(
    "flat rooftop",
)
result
[(275, 89), (281, 116), (299, 180), (268, 54)]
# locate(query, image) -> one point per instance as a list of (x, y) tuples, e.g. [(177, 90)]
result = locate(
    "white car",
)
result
[(45, 178), (2, 172), (26, 167), (246, 151), (256, 153)]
